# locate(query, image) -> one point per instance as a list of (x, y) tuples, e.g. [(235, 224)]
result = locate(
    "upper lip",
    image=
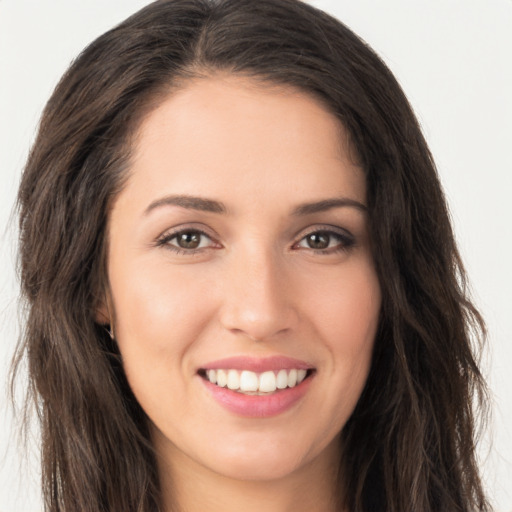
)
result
[(257, 364)]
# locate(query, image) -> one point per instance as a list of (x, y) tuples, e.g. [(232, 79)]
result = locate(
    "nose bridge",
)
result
[(257, 301)]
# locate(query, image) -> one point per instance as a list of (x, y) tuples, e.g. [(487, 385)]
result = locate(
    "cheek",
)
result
[(159, 311), (346, 312), (346, 306), (159, 316)]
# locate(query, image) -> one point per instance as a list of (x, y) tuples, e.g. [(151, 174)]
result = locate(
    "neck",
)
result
[(188, 486)]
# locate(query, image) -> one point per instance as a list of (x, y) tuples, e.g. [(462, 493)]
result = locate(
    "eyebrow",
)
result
[(213, 206), (328, 204), (189, 202)]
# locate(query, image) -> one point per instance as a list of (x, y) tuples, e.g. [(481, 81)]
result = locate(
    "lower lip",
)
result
[(258, 406)]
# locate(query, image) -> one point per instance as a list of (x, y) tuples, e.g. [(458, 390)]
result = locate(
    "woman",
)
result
[(241, 279)]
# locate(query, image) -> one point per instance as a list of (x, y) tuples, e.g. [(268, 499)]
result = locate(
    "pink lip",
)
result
[(258, 406), (258, 365)]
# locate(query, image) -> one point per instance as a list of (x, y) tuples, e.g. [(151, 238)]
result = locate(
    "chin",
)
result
[(258, 468), (256, 459)]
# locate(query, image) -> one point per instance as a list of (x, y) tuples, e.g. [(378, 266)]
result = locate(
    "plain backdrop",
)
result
[(454, 61)]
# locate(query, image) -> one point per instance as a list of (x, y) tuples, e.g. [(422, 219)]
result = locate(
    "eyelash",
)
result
[(165, 239), (345, 241)]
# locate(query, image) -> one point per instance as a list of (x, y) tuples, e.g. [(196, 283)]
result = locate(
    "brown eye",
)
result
[(188, 240), (318, 240), (326, 242)]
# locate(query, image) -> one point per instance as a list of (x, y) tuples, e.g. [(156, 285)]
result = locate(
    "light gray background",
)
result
[(452, 57)]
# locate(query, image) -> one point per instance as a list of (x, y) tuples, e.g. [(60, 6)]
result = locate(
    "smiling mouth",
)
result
[(252, 383)]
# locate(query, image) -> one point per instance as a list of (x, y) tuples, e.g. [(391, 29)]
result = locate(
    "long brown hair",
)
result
[(409, 445)]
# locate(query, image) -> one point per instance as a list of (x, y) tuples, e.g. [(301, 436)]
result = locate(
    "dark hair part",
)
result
[(409, 444)]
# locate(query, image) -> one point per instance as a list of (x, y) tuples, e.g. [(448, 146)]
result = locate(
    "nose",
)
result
[(258, 300)]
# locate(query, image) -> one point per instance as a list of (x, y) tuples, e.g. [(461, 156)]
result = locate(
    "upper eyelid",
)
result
[(346, 239), (324, 228), (172, 232), (164, 241)]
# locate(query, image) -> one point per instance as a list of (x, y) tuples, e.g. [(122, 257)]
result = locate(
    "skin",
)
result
[(254, 287)]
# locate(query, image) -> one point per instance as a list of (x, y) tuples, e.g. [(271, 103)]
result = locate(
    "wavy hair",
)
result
[(410, 443)]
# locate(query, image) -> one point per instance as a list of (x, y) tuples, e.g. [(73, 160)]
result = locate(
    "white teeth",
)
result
[(222, 378), (282, 379), (267, 382), (292, 378), (250, 382), (233, 379)]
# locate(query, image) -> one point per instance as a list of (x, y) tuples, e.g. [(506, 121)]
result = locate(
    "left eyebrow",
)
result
[(188, 202), (328, 204)]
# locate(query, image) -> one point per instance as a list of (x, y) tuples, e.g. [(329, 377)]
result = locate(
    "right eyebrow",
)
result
[(190, 202), (328, 204)]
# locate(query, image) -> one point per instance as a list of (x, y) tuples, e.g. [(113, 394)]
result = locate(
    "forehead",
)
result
[(227, 134)]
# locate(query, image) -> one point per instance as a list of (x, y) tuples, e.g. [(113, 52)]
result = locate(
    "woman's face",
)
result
[(239, 253)]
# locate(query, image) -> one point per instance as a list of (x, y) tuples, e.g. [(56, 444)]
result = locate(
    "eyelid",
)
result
[(324, 228), (163, 239), (348, 239)]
